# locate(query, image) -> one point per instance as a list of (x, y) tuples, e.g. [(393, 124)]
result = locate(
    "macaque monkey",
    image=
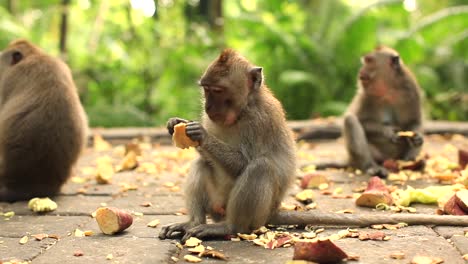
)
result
[(42, 123), (247, 159), (386, 107), (247, 153)]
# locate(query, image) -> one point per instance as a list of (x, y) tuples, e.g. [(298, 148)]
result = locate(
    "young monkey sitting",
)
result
[(247, 153), (384, 120)]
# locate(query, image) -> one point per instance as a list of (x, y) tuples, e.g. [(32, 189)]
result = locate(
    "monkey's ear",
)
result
[(256, 75), (16, 57)]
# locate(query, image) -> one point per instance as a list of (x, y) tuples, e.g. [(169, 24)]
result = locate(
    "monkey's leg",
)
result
[(196, 199), (250, 203), (358, 149)]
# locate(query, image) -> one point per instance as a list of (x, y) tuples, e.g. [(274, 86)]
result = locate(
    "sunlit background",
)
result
[(136, 62)]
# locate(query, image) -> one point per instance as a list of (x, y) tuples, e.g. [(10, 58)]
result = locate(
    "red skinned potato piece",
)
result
[(461, 199), (451, 207), (321, 251), (113, 220), (462, 158), (313, 180), (375, 193), (391, 165)]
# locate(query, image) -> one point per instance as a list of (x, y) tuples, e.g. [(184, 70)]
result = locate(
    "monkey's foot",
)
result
[(208, 230), (377, 170), (176, 230)]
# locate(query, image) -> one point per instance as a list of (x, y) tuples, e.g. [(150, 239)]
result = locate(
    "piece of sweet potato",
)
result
[(320, 251), (112, 220), (180, 138), (462, 158), (451, 207), (375, 193), (461, 198)]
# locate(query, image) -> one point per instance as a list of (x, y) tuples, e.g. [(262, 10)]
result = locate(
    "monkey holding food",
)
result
[(42, 123), (247, 153), (384, 119)]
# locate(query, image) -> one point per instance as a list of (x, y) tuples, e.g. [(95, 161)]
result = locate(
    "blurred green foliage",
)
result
[(134, 70)]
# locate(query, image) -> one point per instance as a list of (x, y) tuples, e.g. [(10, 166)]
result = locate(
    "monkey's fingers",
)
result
[(416, 141), (174, 121), (172, 230), (376, 170), (195, 131)]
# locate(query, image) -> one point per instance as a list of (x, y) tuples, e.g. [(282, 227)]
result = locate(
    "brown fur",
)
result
[(388, 100), (247, 153), (42, 123)]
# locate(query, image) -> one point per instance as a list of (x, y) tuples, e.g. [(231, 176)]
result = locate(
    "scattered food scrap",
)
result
[(42, 205), (113, 220)]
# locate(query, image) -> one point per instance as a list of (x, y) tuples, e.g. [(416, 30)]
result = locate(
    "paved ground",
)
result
[(157, 181)]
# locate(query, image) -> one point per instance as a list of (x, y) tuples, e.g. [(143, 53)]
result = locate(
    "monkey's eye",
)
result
[(215, 89), (367, 59), (16, 57)]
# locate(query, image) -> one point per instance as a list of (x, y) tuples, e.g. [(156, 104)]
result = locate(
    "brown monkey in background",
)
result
[(247, 153), (247, 161), (387, 102), (42, 123)]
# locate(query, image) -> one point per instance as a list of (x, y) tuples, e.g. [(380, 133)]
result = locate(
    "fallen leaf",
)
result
[(198, 249), (129, 162), (345, 211), (426, 260), (100, 144), (24, 240), (352, 257), (192, 259), (213, 254), (146, 204), (41, 205), (192, 242), (78, 233), (398, 255), (153, 223), (40, 237), (372, 236)]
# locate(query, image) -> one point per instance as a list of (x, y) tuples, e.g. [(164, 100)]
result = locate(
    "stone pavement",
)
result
[(153, 191)]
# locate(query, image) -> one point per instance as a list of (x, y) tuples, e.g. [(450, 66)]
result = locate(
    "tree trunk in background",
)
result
[(11, 6), (64, 28), (209, 11)]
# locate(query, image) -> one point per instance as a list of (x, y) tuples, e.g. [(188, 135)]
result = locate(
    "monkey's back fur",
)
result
[(42, 126)]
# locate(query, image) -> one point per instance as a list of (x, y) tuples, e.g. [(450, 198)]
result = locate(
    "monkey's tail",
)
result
[(336, 164), (321, 218)]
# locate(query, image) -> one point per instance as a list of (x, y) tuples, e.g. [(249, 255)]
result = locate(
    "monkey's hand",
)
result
[(174, 121), (416, 140), (195, 131), (176, 230)]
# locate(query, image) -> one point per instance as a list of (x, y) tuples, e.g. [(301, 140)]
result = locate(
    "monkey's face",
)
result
[(379, 65), (227, 84)]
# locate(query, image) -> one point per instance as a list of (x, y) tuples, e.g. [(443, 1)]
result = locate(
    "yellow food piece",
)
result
[(180, 139), (40, 205), (406, 133)]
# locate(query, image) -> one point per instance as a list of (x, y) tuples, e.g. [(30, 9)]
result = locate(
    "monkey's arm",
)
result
[(232, 159), (374, 128)]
